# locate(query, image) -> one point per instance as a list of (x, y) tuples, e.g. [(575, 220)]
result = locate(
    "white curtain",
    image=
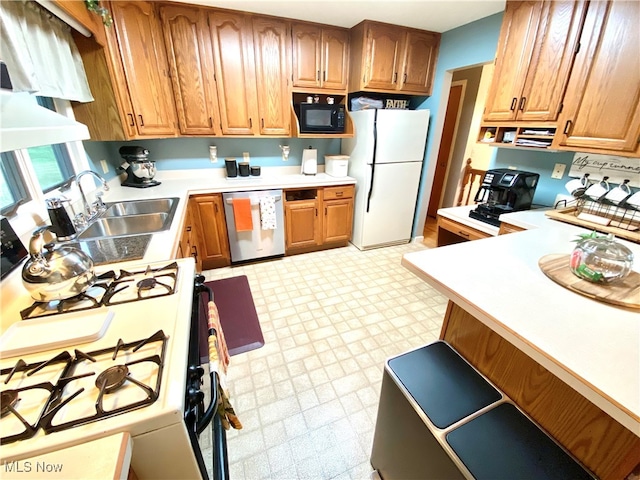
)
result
[(40, 53)]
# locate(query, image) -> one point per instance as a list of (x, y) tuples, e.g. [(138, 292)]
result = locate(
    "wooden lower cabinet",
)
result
[(602, 444), (450, 232), (210, 243), (318, 218), (508, 228)]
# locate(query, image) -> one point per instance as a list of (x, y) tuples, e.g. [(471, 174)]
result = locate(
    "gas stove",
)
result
[(130, 379), (71, 389), (113, 288)]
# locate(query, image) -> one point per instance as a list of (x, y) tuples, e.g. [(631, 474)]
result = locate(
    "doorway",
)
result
[(449, 131)]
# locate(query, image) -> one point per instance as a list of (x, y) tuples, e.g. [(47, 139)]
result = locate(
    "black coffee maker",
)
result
[(140, 170), (504, 191)]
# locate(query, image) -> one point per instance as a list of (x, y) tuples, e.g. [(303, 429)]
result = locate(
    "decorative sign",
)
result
[(617, 169), (397, 104)]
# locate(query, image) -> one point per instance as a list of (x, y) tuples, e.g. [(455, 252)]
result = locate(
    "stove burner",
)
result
[(147, 283), (8, 400), (112, 378)]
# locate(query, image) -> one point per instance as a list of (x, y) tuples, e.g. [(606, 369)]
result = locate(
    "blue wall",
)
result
[(193, 153), (471, 44)]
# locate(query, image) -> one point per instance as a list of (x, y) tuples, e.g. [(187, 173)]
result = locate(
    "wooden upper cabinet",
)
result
[(383, 47), (232, 40), (141, 50), (335, 58), (534, 58), (270, 41), (602, 103), (392, 59), (320, 57), (192, 72), (419, 61)]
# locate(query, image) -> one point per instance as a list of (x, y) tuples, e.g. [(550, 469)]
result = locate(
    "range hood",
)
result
[(24, 124)]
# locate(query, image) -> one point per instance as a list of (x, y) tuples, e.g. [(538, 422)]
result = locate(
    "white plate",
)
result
[(59, 331)]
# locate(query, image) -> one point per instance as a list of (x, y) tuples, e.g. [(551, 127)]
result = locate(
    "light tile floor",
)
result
[(308, 399)]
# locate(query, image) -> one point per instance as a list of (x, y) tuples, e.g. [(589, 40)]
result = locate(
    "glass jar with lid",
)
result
[(601, 259)]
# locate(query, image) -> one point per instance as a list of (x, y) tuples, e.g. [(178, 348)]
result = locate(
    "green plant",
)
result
[(95, 7), (584, 236)]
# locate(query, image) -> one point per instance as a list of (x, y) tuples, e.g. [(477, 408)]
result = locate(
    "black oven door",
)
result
[(197, 418)]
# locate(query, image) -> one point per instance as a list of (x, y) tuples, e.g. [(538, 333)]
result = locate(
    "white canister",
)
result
[(336, 165)]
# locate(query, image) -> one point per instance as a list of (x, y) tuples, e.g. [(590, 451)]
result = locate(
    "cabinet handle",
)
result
[(131, 122), (141, 121), (188, 228), (514, 102), (215, 208), (318, 76), (262, 122), (395, 77), (339, 194), (194, 252), (325, 211), (250, 122), (404, 78), (567, 127), (210, 123), (324, 76), (463, 234), (316, 212), (523, 100)]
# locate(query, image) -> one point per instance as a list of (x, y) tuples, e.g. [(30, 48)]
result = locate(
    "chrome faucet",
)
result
[(97, 207)]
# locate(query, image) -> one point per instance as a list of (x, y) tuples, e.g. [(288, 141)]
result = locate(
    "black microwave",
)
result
[(321, 118)]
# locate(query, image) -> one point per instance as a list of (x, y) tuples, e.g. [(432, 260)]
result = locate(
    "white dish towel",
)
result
[(268, 213)]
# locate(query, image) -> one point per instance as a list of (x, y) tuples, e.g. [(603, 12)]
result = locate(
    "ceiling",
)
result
[(433, 15)]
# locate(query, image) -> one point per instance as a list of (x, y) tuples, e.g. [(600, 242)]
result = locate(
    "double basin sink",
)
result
[(132, 217)]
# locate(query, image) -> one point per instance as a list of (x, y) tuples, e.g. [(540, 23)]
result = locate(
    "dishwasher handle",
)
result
[(254, 201)]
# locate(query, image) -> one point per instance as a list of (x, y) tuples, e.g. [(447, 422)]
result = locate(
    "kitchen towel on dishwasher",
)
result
[(242, 214), (268, 213)]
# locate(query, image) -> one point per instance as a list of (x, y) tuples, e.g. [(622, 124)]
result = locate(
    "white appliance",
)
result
[(139, 376), (336, 165), (386, 157)]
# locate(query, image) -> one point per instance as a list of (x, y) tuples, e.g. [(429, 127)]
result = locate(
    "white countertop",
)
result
[(592, 346)]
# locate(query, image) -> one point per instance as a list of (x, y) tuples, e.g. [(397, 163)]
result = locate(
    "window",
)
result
[(51, 166), (51, 162), (13, 191)]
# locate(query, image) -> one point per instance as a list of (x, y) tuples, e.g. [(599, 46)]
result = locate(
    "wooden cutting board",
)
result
[(625, 293)]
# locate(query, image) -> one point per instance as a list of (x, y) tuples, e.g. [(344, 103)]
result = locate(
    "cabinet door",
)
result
[(211, 230), (235, 72), (302, 224), (144, 61), (419, 62), (515, 46), (602, 103), (270, 40), (338, 221), (383, 57), (335, 58), (192, 73), (554, 50), (307, 40)]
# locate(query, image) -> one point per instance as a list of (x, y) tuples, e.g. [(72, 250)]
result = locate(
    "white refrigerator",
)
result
[(386, 157)]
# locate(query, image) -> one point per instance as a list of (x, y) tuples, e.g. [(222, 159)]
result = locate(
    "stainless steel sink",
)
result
[(141, 207), (135, 217)]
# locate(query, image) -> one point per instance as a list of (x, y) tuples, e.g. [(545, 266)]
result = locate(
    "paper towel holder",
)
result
[(309, 161)]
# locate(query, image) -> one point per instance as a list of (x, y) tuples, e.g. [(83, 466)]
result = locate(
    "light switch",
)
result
[(245, 156), (213, 153), (105, 166)]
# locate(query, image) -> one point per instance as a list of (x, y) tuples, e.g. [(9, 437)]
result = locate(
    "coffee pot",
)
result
[(140, 170), (61, 223)]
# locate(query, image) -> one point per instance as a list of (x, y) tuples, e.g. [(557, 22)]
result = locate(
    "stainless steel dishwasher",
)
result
[(265, 238)]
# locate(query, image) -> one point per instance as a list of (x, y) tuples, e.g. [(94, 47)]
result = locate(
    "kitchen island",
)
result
[(572, 363)]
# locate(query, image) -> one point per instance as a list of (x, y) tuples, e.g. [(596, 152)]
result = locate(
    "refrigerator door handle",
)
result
[(373, 159)]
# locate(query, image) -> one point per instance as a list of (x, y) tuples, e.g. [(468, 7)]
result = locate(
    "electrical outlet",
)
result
[(245, 156), (105, 166), (558, 170), (213, 153)]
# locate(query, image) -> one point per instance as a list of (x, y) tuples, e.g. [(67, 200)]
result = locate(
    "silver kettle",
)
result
[(58, 273)]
